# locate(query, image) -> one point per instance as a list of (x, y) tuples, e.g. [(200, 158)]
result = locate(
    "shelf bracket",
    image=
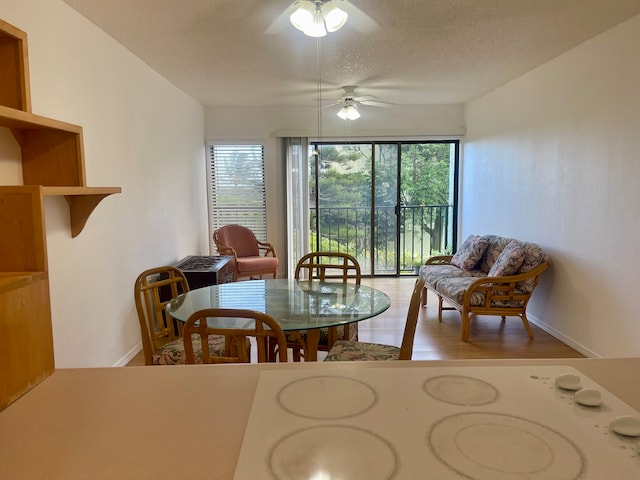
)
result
[(80, 208)]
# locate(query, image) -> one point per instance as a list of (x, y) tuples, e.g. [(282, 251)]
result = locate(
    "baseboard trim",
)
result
[(563, 338), (129, 355)]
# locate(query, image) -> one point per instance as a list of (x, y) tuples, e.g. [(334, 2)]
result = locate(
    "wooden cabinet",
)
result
[(26, 347), (52, 165)]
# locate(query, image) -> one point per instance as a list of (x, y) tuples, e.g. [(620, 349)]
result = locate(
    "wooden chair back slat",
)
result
[(263, 328), (316, 264)]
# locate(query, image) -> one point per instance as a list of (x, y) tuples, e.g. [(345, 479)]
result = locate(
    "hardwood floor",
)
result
[(489, 338)]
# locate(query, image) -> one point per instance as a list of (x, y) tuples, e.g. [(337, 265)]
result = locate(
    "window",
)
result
[(236, 188), (391, 205)]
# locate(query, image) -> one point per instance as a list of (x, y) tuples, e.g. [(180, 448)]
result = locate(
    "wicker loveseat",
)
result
[(488, 275)]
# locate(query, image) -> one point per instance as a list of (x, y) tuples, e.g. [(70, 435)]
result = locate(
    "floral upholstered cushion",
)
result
[(495, 245), (533, 256), (509, 260), (345, 350), (470, 253), (456, 287), (172, 353), (434, 273)]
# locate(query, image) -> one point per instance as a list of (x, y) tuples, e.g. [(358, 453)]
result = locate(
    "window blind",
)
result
[(236, 187)]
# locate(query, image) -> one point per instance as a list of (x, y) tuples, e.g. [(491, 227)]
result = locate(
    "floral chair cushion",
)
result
[(509, 260), (432, 274), (172, 353), (470, 253), (495, 245), (533, 256), (345, 350), (456, 287)]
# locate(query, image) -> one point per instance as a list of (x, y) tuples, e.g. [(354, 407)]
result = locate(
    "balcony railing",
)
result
[(424, 231)]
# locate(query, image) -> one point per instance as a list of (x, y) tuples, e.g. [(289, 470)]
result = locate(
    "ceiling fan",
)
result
[(350, 102)]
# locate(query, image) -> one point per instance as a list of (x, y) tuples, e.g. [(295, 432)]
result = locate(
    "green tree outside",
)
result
[(344, 186)]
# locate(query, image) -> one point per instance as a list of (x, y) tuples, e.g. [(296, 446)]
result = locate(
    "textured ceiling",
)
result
[(245, 53)]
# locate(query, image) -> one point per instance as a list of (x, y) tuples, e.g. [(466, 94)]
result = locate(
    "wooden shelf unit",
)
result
[(52, 165), (52, 150), (53, 157)]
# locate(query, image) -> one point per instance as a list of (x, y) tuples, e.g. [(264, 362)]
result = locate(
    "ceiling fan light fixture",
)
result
[(315, 17), (334, 17), (349, 112)]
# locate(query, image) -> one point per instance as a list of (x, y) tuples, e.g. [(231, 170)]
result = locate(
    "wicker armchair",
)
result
[(253, 258)]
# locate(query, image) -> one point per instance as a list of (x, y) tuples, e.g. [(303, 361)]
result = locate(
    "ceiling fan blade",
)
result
[(373, 103), (363, 98), (332, 105)]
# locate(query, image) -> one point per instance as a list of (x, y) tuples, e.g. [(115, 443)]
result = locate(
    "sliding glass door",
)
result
[(385, 212), (340, 200), (389, 204)]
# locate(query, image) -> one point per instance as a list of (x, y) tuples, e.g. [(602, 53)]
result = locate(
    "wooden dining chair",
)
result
[(253, 258), (162, 343), (326, 266), (345, 350), (258, 325)]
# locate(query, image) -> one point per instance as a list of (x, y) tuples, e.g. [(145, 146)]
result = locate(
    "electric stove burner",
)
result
[(493, 446), (333, 451), (460, 390), (316, 397)]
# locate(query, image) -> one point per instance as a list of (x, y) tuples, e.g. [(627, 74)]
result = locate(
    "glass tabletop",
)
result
[(294, 304)]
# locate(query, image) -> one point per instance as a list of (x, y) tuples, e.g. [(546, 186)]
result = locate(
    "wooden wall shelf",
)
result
[(52, 150), (19, 119), (52, 156), (52, 165), (82, 201)]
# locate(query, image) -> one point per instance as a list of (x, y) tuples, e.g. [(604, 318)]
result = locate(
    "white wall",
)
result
[(266, 125), (140, 133), (552, 158)]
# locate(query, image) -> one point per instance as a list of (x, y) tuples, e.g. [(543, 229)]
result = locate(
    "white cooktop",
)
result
[(479, 423)]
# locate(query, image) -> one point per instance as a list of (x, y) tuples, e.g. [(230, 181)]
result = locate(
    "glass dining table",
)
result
[(295, 304)]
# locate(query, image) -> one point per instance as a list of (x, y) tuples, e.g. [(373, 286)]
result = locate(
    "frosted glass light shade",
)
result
[(349, 112), (303, 16), (334, 17)]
